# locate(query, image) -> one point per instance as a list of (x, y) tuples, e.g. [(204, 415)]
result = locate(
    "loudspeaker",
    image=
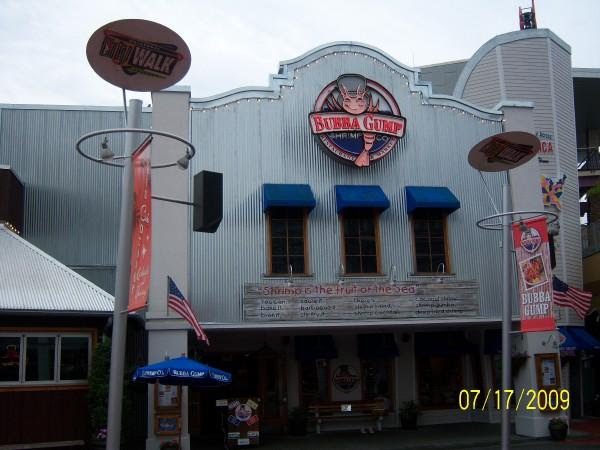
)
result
[(208, 201)]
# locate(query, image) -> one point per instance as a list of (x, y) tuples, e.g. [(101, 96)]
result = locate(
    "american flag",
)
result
[(180, 304), (571, 297)]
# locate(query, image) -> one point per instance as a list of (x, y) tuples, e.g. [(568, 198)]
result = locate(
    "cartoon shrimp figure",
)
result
[(357, 101)]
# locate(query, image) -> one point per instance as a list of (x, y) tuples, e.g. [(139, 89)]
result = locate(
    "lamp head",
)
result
[(183, 162), (106, 154)]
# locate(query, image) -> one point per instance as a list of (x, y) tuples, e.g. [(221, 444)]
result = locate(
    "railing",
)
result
[(590, 238), (588, 158)]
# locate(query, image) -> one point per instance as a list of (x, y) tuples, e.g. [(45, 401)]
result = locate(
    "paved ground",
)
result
[(584, 435)]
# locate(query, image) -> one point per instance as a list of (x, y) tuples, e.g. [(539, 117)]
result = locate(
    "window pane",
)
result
[(39, 365), (278, 246), (422, 246), (278, 228), (279, 265), (353, 264), (420, 228), (352, 246), (437, 245), (297, 263), (423, 264), (367, 227), (296, 246), (436, 228), (369, 264), (10, 350), (368, 247), (351, 227), (74, 358), (295, 228)]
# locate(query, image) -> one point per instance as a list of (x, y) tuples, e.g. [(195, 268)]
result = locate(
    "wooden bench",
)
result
[(347, 410)]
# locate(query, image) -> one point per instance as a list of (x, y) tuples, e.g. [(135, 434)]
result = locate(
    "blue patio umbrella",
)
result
[(182, 371)]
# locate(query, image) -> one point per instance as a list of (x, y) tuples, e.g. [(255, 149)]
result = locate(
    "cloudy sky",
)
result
[(239, 43)]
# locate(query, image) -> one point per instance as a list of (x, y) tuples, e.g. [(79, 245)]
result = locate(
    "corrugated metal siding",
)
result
[(570, 242), (483, 87), (82, 196), (103, 277), (539, 70), (254, 142), (527, 77)]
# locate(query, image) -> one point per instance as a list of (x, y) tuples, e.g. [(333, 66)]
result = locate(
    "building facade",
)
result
[(348, 266)]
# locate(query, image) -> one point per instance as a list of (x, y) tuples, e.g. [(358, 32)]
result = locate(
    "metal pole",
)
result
[(119, 331), (506, 315)]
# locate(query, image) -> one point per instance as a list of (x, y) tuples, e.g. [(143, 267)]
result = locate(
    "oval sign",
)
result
[(138, 55), (504, 151)]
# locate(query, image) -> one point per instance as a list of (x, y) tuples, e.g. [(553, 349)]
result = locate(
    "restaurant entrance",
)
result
[(258, 375)]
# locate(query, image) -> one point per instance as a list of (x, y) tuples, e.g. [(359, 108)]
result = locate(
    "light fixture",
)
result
[(183, 162), (106, 154)]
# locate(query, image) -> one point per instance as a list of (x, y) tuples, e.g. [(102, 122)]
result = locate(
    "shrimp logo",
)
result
[(530, 240), (357, 120)]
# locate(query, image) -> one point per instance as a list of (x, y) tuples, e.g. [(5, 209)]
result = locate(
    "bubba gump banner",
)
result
[(532, 251), (141, 234)]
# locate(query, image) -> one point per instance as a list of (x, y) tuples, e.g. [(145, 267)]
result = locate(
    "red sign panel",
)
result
[(141, 234), (535, 274)]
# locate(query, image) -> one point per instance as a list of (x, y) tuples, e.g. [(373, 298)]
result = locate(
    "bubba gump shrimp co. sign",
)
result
[(357, 120)]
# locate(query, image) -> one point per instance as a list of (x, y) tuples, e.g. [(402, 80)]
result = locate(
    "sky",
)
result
[(239, 43)]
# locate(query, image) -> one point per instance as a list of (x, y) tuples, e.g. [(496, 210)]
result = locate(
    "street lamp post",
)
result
[(119, 330)]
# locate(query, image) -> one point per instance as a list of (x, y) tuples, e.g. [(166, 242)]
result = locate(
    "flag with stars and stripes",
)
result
[(179, 303), (565, 295)]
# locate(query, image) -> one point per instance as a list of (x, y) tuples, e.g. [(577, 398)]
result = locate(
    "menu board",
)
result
[(360, 301)]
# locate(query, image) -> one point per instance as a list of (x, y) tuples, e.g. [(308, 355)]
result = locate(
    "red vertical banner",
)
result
[(141, 234), (532, 251)]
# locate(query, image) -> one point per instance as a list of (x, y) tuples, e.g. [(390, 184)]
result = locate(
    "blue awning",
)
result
[(360, 197), (577, 338), (430, 197), (288, 195), (315, 347)]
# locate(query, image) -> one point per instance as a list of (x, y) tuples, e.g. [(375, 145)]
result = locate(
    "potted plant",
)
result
[(98, 397), (558, 427), (297, 421), (169, 445), (408, 415)]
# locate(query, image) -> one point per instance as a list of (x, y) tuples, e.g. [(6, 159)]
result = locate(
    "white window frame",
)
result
[(57, 355)]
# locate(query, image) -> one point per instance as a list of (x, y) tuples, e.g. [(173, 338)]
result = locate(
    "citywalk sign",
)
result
[(357, 120), (138, 55)]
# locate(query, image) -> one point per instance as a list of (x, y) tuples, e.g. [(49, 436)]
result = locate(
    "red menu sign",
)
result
[(141, 234), (530, 238)]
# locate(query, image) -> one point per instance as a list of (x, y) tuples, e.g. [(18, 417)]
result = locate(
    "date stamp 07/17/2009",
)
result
[(526, 399)]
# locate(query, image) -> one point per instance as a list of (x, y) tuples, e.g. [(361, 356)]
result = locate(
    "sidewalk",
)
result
[(584, 433)]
